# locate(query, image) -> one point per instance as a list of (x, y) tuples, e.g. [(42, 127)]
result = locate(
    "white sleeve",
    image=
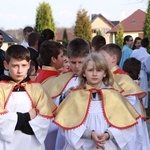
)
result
[(123, 136), (8, 123), (73, 136), (147, 64), (40, 127), (131, 99)]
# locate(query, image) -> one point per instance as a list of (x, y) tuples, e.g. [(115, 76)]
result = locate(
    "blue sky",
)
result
[(19, 13)]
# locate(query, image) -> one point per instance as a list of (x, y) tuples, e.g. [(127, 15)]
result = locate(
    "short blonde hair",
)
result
[(100, 64)]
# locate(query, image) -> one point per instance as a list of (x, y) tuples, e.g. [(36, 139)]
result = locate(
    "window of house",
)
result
[(95, 30), (104, 31), (133, 21)]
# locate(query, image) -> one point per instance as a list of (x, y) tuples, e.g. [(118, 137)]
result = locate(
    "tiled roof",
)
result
[(94, 16), (8, 38), (60, 36), (133, 23), (114, 22)]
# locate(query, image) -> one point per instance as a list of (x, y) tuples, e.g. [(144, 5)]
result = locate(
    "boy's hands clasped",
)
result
[(99, 139)]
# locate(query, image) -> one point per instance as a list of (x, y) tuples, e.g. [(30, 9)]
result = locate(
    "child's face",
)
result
[(111, 60), (17, 69), (58, 63), (66, 65), (138, 44), (93, 76), (76, 64)]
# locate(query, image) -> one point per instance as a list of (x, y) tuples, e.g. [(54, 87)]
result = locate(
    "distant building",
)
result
[(133, 25), (8, 40), (99, 22), (59, 36)]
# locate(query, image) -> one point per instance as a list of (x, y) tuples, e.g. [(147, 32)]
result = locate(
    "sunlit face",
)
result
[(59, 61), (138, 44), (93, 76), (130, 42), (110, 59), (76, 64), (66, 65), (17, 69)]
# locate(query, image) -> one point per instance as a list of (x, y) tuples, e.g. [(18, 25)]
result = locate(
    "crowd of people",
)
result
[(74, 96)]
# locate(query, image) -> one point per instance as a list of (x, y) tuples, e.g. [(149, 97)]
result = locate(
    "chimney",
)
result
[(93, 15)]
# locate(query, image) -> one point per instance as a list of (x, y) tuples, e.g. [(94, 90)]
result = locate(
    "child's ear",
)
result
[(53, 60), (104, 75), (114, 58), (5, 65), (84, 75)]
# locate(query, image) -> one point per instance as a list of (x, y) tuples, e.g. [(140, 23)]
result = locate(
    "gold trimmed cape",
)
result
[(59, 83), (40, 100), (130, 87), (117, 111), (127, 84)]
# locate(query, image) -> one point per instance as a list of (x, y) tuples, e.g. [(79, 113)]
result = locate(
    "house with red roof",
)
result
[(132, 25), (59, 36)]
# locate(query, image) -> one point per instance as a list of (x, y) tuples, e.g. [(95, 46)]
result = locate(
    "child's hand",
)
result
[(98, 139), (32, 113)]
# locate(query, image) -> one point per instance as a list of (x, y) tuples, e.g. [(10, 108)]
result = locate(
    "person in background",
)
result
[(33, 47), (142, 55), (126, 51), (25, 107), (137, 43), (46, 35), (77, 50), (97, 42), (2, 55), (51, 54), (66, 65), (88, 114), (132, 67), (26, 31), (32, 71)]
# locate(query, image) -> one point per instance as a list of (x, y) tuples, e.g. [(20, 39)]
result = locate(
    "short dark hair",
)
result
[(112, 49), (27, 29), (78, 47), (46, 35), (98, 41), (33, 38), (132, 66), (145, 42), (135, 40), (126, 38), (48, 50), (1, 34), (17, 52)]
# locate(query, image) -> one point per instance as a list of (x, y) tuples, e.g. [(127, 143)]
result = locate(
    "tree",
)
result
[(99, 32), (82, 27), (44, 18), (119, 35), (65, 37), (147, 24)]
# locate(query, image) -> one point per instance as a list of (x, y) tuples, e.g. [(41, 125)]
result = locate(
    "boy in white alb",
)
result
[(77, 50), (24, 112)]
